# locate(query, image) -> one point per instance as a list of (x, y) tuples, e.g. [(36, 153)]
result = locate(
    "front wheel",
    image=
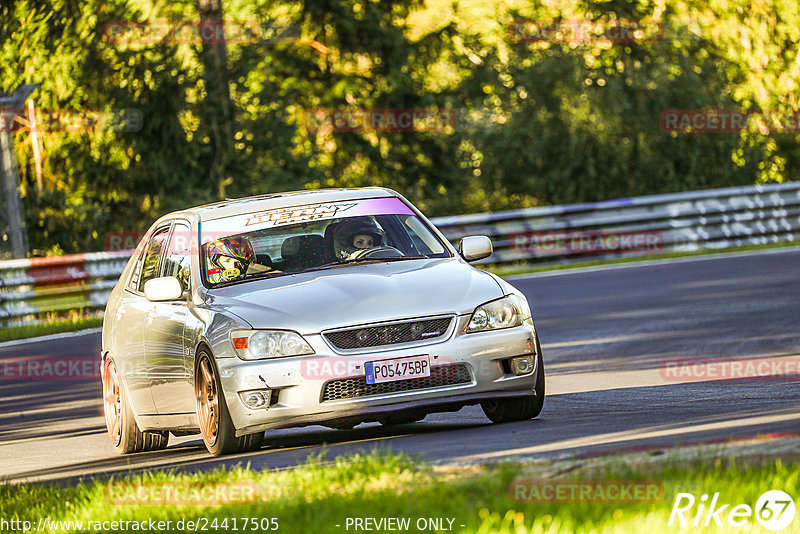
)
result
[(216, 427), (120, 422), (519, 408)]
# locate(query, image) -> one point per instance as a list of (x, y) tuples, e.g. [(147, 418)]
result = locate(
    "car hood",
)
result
[(311, 302)]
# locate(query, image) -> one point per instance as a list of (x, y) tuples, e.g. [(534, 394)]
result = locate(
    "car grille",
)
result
[(389, 334), (351, 388)]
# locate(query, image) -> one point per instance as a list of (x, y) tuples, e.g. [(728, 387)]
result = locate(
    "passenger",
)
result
[(231, 258)]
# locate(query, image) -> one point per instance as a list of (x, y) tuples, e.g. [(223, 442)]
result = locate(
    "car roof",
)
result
[(238, 206)]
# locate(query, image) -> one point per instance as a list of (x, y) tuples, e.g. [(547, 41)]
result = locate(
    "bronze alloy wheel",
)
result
[(213, 418), (112, 402), (120, 421), (207, 402)]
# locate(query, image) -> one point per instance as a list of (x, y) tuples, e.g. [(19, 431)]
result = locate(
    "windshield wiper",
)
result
[(257, 276), (361, 261), (379, 260)]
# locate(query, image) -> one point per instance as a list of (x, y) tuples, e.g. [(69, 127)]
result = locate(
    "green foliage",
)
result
[(537, 122), (316, 496)]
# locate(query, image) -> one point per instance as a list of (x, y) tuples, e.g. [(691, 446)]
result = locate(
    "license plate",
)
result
[(397, 369)]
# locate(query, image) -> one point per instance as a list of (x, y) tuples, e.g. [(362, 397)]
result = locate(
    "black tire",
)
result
[(214, 420), (519, 408), (125, 435)]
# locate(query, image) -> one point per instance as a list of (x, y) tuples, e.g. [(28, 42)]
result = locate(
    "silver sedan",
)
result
[(332, 307)]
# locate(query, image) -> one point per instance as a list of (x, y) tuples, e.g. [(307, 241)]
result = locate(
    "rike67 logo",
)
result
[(774, 510)]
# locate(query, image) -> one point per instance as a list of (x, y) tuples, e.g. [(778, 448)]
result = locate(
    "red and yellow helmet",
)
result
[(228, 258)]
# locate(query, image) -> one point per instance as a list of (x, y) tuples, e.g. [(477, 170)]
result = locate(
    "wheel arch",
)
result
[(202, 345)]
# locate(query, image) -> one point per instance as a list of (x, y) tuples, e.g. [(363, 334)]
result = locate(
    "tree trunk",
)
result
[(217, 107)]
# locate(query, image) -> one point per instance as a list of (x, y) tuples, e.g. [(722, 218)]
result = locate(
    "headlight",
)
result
[(261, 344), (507, 312)]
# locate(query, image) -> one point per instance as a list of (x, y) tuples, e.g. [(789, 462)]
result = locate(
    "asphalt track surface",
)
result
[(610, 340)]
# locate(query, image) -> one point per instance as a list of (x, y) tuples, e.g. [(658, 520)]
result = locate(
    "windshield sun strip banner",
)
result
[(254, 221)]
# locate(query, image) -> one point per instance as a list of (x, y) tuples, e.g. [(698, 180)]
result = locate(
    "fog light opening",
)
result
[(522, 365), (256, 399)]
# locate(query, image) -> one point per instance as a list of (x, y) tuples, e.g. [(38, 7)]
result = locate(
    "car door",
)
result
[(129, 324), (170, 376)]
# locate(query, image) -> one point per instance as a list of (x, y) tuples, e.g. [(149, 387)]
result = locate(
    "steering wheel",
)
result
[(376, 253)]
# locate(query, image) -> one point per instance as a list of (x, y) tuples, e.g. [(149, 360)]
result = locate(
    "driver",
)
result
[(353, 235), (230, 258)]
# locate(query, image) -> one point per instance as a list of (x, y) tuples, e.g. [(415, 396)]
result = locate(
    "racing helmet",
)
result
[(228, 258), (346, 231)]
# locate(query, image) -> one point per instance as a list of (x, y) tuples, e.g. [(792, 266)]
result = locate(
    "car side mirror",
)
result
[(475, 247), (164, 288)]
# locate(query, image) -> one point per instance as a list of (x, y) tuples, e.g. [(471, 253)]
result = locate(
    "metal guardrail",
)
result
[(709, 219), (712, 219), (31, 288)]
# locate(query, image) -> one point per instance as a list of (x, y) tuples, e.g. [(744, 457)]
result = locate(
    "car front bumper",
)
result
[(470, 368)]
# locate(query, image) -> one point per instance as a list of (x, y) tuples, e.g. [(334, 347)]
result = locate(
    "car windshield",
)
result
[(313, 237)]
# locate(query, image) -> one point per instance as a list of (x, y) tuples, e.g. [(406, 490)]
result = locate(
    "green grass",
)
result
[(317, 496), (53, 327), (533, 268)]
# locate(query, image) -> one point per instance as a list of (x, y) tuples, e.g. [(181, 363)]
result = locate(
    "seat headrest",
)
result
[(296, 246)]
